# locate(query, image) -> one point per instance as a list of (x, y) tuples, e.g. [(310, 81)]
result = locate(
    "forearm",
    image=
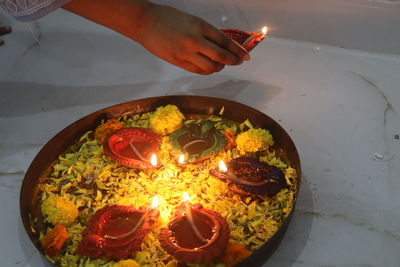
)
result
[(173, 35), (124, 16)]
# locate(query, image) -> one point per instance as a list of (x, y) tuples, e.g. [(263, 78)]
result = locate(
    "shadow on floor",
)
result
[(24, 98)]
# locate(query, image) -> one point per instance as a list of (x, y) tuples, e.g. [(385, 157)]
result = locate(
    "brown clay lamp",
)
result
[(251, 176), (116, 231), (195, 234), (133, 147), (248, 40)]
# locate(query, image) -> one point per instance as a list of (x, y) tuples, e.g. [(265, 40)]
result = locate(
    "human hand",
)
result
[(187, 41), (4, 30)]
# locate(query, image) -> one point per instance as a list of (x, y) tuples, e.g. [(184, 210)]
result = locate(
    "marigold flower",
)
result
[(166, 119), (59, 210), (127, 263), (254, 140), (53, 241), (103, 130)]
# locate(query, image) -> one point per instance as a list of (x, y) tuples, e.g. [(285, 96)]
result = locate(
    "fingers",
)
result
[(200, 64), (218, 54), (206, 64), (5, 30), (224, 42)]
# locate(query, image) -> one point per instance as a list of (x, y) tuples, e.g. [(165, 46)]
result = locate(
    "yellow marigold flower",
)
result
[(127, 263), (254, 140), (166, 119), (58, 210)]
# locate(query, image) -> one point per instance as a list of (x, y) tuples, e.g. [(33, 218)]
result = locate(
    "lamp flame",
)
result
[(185, 196), (154, 204), (181, 159), (264, 30), (222, 166), (153, 160)]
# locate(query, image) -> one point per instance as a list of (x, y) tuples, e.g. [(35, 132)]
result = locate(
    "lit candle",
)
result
[(199, 243), (264, 30), (189, 215), (256, 37), (153, 208), (222, 166), (153, 159)]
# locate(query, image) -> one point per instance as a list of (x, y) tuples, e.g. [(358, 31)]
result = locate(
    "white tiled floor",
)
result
[(341, 108)]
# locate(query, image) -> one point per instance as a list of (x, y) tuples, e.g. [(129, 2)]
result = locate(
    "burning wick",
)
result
[(222, 166), (181, 159), (153, 159), (261, 35), (233, 178), (189, 215), (154, 206), (264, 30)]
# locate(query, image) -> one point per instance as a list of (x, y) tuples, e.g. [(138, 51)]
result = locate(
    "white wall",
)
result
[(372, 25)]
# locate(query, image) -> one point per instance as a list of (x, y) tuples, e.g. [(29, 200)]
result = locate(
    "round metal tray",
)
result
[(40, 166)]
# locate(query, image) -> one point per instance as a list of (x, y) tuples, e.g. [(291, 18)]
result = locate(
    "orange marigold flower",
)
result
[(53, 241), (233, 254), (107, 128)]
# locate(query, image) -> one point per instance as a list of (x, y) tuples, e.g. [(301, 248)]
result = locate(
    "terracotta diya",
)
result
[(249, 175), (116, 231), (132, 146), (195, 234), (197, 141), (248, 40)]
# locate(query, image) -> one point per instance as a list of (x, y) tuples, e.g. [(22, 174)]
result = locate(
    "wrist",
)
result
[(128, 17), (137, 18)]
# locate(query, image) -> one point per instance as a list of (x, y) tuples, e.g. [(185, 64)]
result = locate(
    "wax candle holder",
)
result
[(180, 239), (116, 231), (251, 176), (132, 147)]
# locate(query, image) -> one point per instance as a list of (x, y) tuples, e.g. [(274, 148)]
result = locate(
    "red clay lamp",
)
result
[(195, 234), (248, 40), (133, 147), (116, 231)]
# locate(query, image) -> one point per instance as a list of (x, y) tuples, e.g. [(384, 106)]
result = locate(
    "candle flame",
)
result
[(264, 30), (222, 166), (154, 204), (185, 196), (181, 159), (153, 160)]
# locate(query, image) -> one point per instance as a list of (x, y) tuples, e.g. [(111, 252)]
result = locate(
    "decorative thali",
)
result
[(187, 140)]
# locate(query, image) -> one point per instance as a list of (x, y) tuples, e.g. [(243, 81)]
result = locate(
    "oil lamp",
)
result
[(133, 146), (251, 176), (195, 234), (248, 40), (197, 141), (117, 231)]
